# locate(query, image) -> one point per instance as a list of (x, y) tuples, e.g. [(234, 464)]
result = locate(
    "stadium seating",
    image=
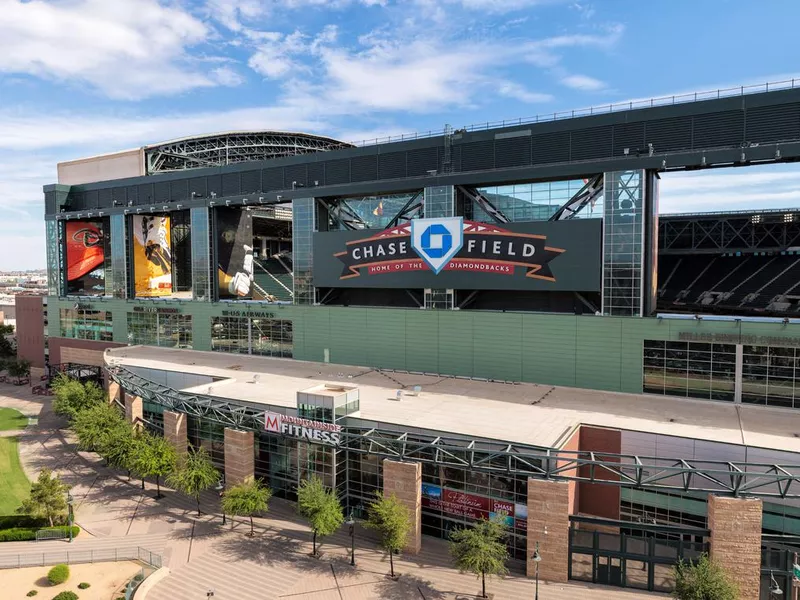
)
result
[(274, 276), (752, 284)]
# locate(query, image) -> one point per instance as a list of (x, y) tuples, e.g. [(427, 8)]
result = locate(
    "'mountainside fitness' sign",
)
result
[(454, 253), (303, 429)]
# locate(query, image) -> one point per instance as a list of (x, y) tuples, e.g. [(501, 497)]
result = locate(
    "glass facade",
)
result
[(303, 228), (439, 201), (201, 253), (117, 285), (770, 376), (370, 212), (246, 335), (157, 329), (534, 201), (54, 285), (84, 324), (623, 243), (438, 299), (204, 433), (690, 369)]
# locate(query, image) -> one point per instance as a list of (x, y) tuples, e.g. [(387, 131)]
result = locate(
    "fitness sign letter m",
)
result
[(437, 240)]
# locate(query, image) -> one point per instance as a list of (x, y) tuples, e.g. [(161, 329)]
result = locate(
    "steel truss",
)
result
[(743, 232), (639, 472), (230, 148)]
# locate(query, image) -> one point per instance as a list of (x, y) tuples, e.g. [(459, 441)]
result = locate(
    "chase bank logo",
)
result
[(437, 240)]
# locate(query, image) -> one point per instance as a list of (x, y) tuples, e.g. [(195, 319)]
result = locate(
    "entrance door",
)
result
[(608, 570)]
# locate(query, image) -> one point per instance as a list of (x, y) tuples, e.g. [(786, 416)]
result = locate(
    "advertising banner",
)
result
[(456, 503), (152, 256), (85, 256), (456, 254), (235, 253)]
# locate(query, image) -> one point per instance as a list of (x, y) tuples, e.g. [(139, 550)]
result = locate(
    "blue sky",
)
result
[(82, 77)]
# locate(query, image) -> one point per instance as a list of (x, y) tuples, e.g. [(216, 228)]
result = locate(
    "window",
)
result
[(156, 329), (689, 369), (84, 324), (245, 335), (534, 201), (769, 376)]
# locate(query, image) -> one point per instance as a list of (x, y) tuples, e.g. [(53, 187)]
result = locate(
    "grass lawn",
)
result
[(12, 419), (14, 486)]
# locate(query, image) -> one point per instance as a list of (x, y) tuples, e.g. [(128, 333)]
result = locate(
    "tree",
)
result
[(480, 549), (246, 499), (703, 580), (321, 507), (118, 444), (153, 456), (72, 396), (194, 474), (6, 329), (392, 521), (19, 368), (48, 498), (94, 424)]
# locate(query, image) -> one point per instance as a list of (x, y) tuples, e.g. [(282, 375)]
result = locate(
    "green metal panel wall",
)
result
[(583, 351)]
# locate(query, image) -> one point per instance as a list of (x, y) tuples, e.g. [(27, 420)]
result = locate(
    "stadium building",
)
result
[(490, 319)]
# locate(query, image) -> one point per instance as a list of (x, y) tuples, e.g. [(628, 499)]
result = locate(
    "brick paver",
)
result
[(276, 563)]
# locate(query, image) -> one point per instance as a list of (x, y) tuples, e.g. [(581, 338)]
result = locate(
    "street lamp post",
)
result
[(537, 558), (69, 515), (352, 524), (775, 590)]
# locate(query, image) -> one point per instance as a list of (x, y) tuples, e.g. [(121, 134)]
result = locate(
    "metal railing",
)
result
[(50, 534), (741, 90), (75, 557)]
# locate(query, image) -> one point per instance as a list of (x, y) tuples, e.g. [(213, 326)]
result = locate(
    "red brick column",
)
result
[(114, 392), (240, 459), (134, 412), (548, 523), (735, 525), (404, 480), (175, 431)]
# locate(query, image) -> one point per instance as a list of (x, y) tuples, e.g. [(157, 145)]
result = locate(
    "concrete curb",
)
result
[(148, 584)]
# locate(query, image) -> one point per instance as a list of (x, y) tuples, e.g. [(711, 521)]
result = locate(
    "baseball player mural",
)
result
[(85, 256), (235, 253), (152, 256)]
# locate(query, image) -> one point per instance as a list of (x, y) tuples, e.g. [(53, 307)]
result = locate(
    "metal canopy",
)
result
[(649, 473)]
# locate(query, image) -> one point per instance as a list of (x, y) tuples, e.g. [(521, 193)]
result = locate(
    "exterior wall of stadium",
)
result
[(620, 350)]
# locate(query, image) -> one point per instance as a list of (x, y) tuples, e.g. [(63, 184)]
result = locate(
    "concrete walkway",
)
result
[(116, 513)]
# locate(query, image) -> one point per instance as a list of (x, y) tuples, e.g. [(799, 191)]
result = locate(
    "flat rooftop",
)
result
[(525, 413)]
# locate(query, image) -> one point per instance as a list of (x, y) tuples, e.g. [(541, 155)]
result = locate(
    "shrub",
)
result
[(32, 593), (83, 585), (704, 578), (23, 534), (58, 574), (66, 596), (24, 521)]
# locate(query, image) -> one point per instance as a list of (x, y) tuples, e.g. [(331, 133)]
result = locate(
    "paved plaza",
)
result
[(203, 555)]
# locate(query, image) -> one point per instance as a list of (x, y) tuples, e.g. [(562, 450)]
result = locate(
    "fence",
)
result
[(74, 557), (50, 534)]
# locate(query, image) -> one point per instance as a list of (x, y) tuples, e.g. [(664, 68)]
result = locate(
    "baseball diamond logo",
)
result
[(437, 240), (449, 244)]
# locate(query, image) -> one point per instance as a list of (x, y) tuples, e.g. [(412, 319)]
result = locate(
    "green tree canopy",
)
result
[(72, 396), (94, 424), (320, 507), (392, 521), (19, 368), (117, 445), (195, 474), (246, 499), (480, 549), (703, 580), (48, 498), (153, 456)]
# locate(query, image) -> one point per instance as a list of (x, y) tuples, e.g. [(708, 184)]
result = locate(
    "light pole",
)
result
[(537, 558), (220, 487), (775, 590), (352, 524), (210, 593), (69, 515)]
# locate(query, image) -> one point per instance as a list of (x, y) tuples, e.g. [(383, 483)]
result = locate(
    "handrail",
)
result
[(741, 90), (76, 556)]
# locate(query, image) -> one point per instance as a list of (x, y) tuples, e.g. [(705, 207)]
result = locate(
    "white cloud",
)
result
[(125, 48), (583, 82), (509, 89)]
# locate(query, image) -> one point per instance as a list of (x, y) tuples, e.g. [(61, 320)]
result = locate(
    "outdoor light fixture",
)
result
[(351, 523), (774, 588), (537, 558), (210, 593)]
